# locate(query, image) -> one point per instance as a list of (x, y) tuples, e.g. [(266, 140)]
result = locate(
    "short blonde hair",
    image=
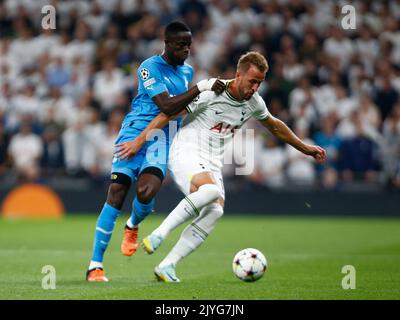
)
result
[(254, 58)]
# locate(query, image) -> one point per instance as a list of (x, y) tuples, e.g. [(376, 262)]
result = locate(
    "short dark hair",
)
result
[(175, 27), (254, 58)]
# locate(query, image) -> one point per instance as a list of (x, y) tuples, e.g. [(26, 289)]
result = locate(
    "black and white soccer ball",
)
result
[(249, 264)]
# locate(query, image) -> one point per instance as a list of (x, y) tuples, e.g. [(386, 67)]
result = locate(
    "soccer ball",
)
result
[(249, 264)]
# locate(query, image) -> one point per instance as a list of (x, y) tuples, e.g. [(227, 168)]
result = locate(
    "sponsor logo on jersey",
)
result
[(149, 82)]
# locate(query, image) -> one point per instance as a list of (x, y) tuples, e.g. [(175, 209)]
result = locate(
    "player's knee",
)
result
[(216, 210), (116, 195), (211, 191), (146, 193)]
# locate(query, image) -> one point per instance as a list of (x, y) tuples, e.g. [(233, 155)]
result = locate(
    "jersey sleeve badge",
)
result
[(144, 73)]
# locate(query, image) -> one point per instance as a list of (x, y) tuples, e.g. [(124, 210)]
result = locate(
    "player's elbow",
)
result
[(276, 128), (167, 109)]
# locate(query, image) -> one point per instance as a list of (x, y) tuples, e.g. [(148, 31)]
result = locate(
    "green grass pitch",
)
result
[(305, 257)]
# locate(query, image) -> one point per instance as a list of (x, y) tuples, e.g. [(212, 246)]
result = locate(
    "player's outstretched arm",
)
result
[(173, 105), (283, 132), (128, 149)]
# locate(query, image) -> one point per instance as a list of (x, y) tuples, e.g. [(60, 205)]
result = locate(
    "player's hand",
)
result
[(318, 153), (127, 150), (218, 86), (206, 84)]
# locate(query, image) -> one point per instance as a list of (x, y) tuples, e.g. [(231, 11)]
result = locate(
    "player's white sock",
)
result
[(189, 207), (194, 234), (131, 225), (95, 264)]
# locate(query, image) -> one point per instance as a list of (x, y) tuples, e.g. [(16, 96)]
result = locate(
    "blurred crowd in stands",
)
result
[(64, 92)]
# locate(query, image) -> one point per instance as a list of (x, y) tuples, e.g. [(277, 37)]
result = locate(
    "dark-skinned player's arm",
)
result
[(128, 149), (279, 129), (173, 105)]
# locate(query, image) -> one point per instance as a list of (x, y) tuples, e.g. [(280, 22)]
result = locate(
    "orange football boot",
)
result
[(130, 242), (96, 275)]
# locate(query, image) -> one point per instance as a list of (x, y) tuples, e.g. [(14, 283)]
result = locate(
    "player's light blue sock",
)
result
[(104, 228), (140, 211)]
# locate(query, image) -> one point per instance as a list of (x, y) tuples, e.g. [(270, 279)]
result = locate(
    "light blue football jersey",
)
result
[(155, 76)]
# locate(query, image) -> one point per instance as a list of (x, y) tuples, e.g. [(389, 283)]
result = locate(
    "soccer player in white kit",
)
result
[(196, 154)]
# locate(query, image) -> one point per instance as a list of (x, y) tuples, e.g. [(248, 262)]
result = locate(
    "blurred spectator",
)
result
[(310, 48), (331, 142), (75, 143), (367, 48), (23, 48), (25, 150), (46, 41), (386, 97), (292, 69), (279, 87), (302, 104), (5, 101), (358, 156), (81, 46), (300, 168), (369, 113), (271, 16), (195, 14), (270, 164), (348, 127), (52, 162), (108, 85), (5, 21), (391, 36), (109, 46), (25, 104), (101, 148), (96, 19), (337, 45), (58, 106), (57, 74), (391, 147), (344, 104)]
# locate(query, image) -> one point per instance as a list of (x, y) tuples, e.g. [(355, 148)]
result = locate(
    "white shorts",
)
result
[(185, 161)]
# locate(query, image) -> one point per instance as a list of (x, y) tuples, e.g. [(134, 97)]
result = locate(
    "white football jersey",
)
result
[(212, 120)]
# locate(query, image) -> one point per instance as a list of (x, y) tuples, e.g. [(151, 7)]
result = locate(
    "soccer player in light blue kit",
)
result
[(163, 87)]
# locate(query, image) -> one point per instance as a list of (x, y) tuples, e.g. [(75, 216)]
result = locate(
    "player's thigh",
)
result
[(152, 172), (156, 153), (130, 167), (183, 167)]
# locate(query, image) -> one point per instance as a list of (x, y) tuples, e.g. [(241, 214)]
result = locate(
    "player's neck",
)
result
[(233, 90), (168, 60)]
